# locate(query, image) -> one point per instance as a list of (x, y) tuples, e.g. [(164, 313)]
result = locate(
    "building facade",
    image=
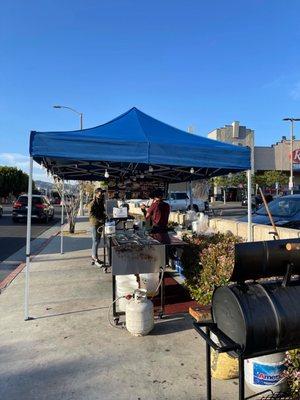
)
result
[(277, 157), (235, 134)]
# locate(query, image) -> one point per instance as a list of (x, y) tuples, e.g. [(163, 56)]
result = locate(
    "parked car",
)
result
[(285, 211), (256, 201), (41, 208), (1, 210), (180, 201)]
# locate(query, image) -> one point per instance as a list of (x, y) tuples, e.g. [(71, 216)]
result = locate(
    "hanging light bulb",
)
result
[(106, 174), (150, 168), (142, 176), (192, 170)]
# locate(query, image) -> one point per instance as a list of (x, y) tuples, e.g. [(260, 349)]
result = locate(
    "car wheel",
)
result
[(45, 219), (194, 208)]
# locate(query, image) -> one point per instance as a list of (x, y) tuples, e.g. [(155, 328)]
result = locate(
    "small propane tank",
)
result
[(139, 314)]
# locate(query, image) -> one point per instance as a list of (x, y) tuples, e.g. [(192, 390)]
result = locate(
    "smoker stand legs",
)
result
[(241, 379), (208, 372), (208, 368)]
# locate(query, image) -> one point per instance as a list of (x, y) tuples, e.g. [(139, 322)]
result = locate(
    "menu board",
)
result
[(133, 190)]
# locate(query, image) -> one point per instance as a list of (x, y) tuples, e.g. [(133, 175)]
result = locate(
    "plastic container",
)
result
[(201, 224), (110, 228), (178, 267), (139, 314), (262, 373), (125, 284)]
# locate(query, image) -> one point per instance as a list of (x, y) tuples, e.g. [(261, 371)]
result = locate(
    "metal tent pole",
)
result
[(62, 219), (28, 237), (191, 195), (250, 233)]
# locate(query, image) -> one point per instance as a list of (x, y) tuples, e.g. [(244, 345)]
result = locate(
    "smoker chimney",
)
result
[(235, 129)]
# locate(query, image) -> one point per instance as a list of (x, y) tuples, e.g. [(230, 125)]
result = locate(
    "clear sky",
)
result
[(186, 62)]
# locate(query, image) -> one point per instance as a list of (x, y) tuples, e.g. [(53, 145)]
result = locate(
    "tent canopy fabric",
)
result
[(130, 144)]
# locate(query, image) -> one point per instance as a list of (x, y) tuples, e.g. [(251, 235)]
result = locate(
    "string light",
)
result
[(150, 168), (192, 170), (106, 174)]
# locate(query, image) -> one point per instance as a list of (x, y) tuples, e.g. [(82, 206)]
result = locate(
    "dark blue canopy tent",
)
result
[(133, 145), (129, 144)]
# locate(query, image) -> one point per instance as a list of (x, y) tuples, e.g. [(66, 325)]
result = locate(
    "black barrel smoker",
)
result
[(259, 314)]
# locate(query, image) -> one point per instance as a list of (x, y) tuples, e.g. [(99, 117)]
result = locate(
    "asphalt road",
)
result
[(13, 235)]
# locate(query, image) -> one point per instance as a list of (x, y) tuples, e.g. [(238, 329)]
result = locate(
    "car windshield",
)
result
[(281, 207), (179, 196), (35, 200)]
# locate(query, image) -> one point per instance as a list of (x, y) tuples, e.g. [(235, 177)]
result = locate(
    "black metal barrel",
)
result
[(261, 318), (256, 260)]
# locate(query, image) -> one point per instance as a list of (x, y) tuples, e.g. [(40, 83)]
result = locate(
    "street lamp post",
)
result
[(81, 211), (75, 111), (291, 183)]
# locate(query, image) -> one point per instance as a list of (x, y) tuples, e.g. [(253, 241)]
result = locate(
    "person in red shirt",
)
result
[(158, 213)]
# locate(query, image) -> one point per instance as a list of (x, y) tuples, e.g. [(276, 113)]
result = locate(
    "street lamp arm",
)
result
[(68, 108)]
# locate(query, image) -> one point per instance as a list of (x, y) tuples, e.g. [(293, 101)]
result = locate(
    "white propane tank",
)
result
[(139, 314), (125, 284), (150, 283), (266, 372)]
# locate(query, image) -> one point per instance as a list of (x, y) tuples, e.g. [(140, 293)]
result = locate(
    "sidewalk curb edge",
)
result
[(8, 280)]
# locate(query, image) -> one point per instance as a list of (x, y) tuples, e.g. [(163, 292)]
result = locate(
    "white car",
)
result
[(180, 201)]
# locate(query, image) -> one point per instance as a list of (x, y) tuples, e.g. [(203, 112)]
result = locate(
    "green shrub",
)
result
[(293, 371), (208, 262)]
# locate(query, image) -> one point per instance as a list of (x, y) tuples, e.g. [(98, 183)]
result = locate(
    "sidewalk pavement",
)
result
[(70, 352)]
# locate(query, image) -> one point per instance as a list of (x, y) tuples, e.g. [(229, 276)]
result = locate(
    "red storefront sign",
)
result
[(296, 156)]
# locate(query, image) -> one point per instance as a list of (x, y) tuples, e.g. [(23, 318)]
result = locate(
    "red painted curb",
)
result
[(8, 280)]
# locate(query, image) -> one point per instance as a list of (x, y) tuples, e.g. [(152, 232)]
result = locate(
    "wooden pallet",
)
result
[(200, 313)]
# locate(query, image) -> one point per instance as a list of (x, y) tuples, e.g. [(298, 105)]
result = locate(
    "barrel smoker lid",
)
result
[(228, 314)]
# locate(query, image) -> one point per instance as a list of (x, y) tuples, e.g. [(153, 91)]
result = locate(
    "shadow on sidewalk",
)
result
[(70, 244), (70, 312), (171, 324)]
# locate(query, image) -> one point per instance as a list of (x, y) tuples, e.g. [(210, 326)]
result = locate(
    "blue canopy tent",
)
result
[(133, 145)]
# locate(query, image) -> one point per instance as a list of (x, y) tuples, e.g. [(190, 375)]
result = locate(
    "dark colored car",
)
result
[(42, 210), (285, 211), (256, 201)]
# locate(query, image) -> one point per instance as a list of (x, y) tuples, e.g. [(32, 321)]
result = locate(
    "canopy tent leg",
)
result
[(191, 195), (249, 201), (28, 237), (62, 218), (81, 194)]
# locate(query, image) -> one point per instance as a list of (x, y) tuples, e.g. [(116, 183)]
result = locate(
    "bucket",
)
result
[(223, 366), (110, 228), (150, 283), (266, 372), (125, 284)]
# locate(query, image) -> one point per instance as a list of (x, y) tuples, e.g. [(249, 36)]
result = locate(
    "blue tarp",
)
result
[(135, 137)]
